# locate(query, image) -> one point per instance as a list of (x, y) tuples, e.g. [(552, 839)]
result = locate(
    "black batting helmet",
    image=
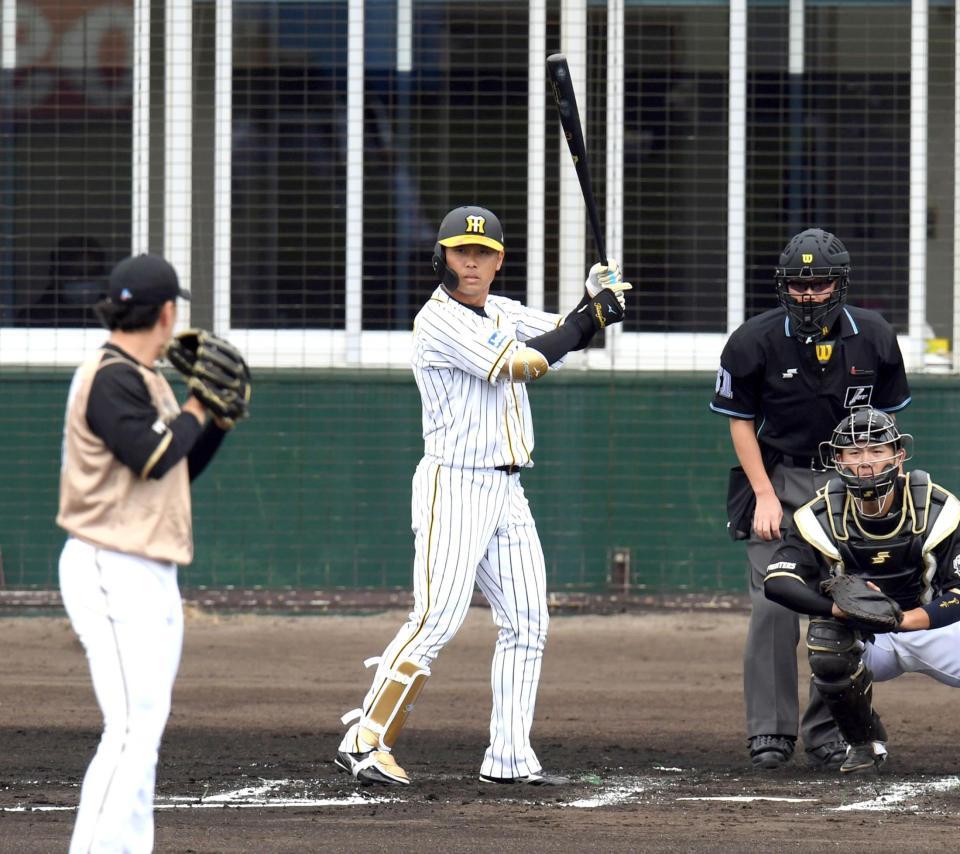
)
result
[(464, 225), (813, 256)]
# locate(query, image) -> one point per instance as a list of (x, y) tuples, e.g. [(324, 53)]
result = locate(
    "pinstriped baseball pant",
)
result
[(474, 526), (127, 612)]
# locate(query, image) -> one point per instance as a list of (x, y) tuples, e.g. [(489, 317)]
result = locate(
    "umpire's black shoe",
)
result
[(770, 752), (828, 756), (538, 779)]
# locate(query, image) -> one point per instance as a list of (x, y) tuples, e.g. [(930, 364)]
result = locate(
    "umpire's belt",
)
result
[(806, 462), (509, 469)]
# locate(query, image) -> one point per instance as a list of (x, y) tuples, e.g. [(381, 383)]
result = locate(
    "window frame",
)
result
[(353, 346)]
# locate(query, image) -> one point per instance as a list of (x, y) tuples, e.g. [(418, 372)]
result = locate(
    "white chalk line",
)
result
[(261, 796), (249, 797), (622, 793), (900, 792), (746, 799), (893, 798), (36, 808)]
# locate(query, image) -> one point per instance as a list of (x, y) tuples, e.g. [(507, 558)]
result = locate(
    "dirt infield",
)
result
[(643, 710)]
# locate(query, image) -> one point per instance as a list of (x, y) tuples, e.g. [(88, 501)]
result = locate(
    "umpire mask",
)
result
[(811, 261), (463, 225)]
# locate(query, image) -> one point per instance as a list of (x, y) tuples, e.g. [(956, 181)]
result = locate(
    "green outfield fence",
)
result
[(314, 490)]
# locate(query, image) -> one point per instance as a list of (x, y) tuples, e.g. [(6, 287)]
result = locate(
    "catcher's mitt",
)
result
[(216, 373), (866, 607)]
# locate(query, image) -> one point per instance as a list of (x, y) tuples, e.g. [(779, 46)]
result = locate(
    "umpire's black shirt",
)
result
[(797, 393)]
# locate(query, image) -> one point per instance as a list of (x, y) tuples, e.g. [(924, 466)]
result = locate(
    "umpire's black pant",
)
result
[(770, 686)]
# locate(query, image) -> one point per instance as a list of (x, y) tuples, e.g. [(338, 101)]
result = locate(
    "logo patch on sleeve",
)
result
[(159, 427), (724, 386), (496, 339)]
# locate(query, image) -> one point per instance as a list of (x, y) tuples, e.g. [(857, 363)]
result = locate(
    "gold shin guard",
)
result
[(381, 724)]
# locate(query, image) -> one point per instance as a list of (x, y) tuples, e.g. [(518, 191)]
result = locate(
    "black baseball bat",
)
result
[(559, 73)]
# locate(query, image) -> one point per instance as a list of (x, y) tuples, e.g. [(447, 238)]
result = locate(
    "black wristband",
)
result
[(587, 327), (584, 323)]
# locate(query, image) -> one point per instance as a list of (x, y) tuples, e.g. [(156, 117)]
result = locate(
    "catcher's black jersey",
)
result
[(912, 555), (796, 392)]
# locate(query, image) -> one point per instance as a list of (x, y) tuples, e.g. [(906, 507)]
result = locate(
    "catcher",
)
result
[(874, 559)]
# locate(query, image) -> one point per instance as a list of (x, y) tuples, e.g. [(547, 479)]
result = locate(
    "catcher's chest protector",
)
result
[(893, 561)]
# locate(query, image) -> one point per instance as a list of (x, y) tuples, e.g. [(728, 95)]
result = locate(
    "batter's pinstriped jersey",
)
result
[(470, 419)]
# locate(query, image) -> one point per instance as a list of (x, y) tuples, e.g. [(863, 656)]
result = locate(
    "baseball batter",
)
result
[(897, 531), (473, 355), (129, 454)]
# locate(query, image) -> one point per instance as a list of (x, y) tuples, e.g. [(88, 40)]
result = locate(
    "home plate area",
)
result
[(661, 788), (644, 712)]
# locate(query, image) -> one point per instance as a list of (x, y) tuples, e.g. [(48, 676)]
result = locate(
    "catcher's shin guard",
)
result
[(381, 722), (843, 680)]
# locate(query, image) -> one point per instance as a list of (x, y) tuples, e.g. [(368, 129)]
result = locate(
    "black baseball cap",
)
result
[(145, 280), (471, 224)]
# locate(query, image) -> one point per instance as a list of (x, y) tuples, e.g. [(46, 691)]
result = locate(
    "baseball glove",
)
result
[(216, 374), (866, 607)]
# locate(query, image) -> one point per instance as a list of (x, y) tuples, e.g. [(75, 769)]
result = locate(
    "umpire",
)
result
[(786, 378)]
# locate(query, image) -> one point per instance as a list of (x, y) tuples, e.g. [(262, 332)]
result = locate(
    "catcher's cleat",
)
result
[(864, 757), (538, 779), (770, 752), (372, 767), (828, 756)]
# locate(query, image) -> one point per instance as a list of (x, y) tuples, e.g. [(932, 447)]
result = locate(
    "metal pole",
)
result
[(8, 70), (918, 182), (222, 164), (795, 185), (573, 222), (536, 151), (614, 124), (353, 256), (178, 143), (405, 203), (613, 121), (955, 344), (736, 167)]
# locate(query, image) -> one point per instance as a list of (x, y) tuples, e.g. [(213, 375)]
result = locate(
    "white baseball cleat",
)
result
[(372, 767)]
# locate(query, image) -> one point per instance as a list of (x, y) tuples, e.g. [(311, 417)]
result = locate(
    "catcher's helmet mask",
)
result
[(863, 428), (818, 256), (461, 226)]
